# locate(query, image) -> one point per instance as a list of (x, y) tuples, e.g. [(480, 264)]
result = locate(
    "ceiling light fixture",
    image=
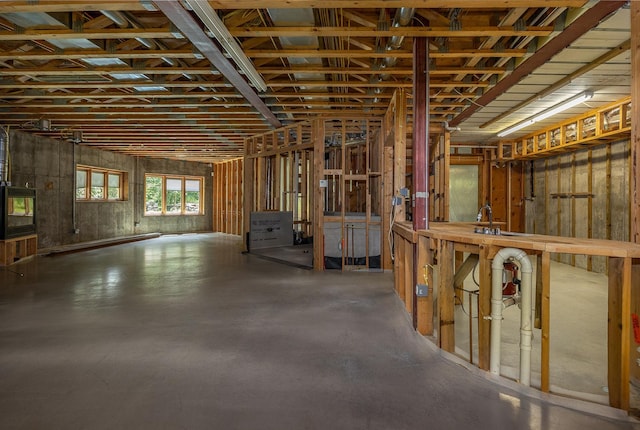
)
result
[(567, 104), (212, 21)]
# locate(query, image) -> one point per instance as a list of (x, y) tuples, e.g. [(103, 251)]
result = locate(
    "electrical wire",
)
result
[(473, 275), (470, 313)]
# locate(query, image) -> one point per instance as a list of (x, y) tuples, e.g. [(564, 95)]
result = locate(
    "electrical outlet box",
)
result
[(396, 201), (404, 192), (422, 290)]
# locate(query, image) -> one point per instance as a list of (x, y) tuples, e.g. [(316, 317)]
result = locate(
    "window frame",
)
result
[(89, 171), (183, 195)]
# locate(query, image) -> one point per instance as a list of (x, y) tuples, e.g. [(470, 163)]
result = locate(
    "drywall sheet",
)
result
[(270, 229)]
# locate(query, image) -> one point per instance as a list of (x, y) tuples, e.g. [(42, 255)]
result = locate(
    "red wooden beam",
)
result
[(421, 133)]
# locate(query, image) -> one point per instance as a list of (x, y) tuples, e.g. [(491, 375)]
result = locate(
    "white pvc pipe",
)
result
[(526, 312)]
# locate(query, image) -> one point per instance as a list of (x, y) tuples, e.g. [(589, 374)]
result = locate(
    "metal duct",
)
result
[(4, 157), (403, 16), (123, 22)]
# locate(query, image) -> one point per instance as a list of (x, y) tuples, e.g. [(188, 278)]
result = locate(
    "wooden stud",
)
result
[(248, 193), (608, 195), (634, 181), (573, 203), (318, 210), (446, 306), (590, 204), (537, 318), (424, 305), (387, 194), (545, 319), (409, 289), (400, 151), (401, 260), (484, 307), (619, 331)]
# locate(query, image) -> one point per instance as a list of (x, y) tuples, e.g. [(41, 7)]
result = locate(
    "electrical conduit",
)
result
[(526, 311)]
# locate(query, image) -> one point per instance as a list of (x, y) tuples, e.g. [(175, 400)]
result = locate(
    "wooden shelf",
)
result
[(16, 249)]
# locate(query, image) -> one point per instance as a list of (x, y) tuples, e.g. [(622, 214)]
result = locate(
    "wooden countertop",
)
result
[(463, 233)]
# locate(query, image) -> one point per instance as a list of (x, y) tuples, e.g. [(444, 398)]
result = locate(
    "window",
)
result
[(192, 196), (97, 184), (81, 184), (113, 189), (153, 201), (173, 195)]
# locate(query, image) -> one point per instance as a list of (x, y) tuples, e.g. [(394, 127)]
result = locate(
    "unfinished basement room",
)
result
[(292, 214)]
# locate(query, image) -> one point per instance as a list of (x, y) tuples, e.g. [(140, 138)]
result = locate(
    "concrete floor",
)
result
[(185, 332)]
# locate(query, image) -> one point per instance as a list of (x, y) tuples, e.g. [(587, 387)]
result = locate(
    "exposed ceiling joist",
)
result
[(577, 28), (117, 71), (192, 31)]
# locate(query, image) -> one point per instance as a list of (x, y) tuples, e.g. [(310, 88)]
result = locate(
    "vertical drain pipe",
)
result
[(4, 156), (526, 313)]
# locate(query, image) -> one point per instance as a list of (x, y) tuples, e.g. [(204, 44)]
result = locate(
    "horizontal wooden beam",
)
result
[(393, 31), (110, 95), (107, 33), (350, 53), (73, 5), (69, 6), (87, 54), (102, 71)]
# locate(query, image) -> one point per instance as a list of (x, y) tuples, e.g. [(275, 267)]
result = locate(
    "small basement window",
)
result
[(97, 184)]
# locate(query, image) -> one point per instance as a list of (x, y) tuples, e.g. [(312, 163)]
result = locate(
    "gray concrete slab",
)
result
[(185, 332)]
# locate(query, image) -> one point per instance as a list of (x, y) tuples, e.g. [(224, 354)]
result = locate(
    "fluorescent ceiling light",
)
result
[(212, 21), (567, 104)]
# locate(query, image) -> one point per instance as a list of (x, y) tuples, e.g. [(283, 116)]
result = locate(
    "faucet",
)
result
[(487, 207)]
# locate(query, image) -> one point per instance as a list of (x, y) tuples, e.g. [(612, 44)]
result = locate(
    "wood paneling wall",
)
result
[(581, 194), (227, 196)]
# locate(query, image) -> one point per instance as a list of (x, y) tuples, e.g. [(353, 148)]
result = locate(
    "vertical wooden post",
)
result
[(445, 174), (457, 287), (424, 307), (634, 181), (545, 318), (387, 193), (619, 331), (399, 152), (312, 181), (248, 196), (634, 374), (240, 192), (484, 307), (537, 321), (317, 130), (409, 290), (447, 337), (401, 264)]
